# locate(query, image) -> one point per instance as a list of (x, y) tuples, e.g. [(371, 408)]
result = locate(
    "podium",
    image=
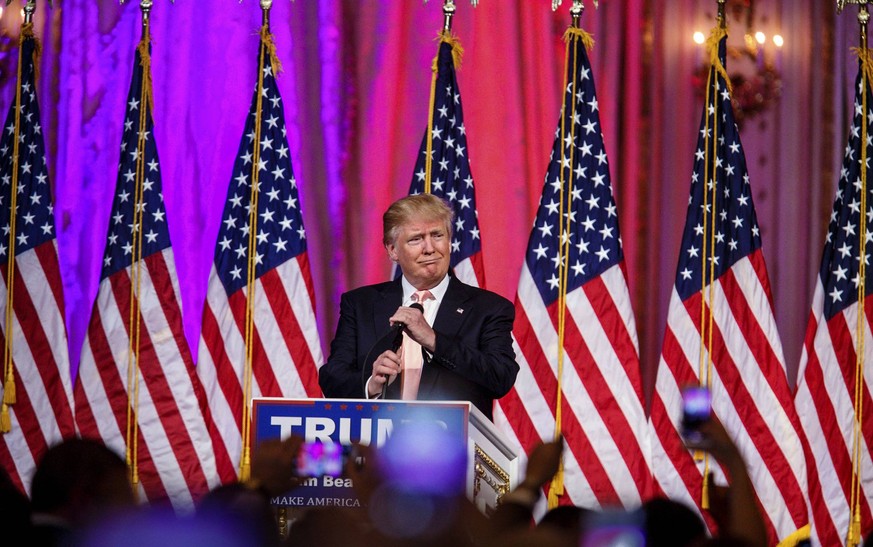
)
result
[(491, 460)]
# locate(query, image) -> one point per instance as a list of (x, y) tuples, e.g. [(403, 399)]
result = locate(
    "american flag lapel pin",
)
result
[(460, 310)]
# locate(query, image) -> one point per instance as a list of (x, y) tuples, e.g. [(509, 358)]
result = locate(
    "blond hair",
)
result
[(415, 207)]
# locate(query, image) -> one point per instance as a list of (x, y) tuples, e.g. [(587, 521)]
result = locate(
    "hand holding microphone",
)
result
[(398, 326), (403, 319)]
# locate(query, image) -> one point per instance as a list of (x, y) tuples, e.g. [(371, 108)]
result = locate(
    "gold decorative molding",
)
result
[(486, 470)]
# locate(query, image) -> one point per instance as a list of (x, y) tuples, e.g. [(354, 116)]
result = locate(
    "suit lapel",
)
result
[(387, 302), (450, 316)]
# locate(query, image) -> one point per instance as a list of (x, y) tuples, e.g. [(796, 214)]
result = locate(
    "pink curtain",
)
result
[(355, 87)]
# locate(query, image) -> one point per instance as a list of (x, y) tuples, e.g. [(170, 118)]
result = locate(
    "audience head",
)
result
[(78, 480), (14, 507), (669, 523)]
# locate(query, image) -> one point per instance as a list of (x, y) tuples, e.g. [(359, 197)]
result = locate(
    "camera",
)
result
[(319, 459), (696, 410)]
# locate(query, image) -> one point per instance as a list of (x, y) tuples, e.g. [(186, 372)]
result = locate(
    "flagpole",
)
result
[(853, 534)]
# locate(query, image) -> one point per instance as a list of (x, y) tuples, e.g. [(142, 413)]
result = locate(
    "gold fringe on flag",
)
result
[(145, 60), (450, 38), (866, 57), (267, 39), (587, 39), (712, 42)]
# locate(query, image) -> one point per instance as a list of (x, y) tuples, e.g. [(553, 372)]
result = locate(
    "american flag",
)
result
[(836, 365), (721, 332), (450, 176), (43, 412), (137, 388), (285, 349), (584, 345)]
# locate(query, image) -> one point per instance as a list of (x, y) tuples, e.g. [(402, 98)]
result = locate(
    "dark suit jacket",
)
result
[(473, 361)]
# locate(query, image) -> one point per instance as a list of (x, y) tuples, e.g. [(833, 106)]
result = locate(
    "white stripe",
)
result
[(465, 272)]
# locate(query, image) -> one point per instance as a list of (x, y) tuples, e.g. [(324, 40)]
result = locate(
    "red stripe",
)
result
[(262, 369), (30, 429), (749, 414), (683, 372), (823, 526), (525, 337), (577, 440), (229, 389), (226, 376), (47, 254), (295, 341), (680, 457), (614, 326), (746, 406), (840, 334), (113, 386), (40, 344), (533, 354), (604, 398), (306, 274), (165, 403)]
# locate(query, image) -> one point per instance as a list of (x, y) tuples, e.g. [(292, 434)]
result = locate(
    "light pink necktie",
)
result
[(411, 355)]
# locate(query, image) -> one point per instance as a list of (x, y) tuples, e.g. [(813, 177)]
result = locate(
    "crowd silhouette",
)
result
[(81, 496)]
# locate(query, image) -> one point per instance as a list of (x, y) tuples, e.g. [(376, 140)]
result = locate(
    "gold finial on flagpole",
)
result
[(29, 8), (146, 7), (266, 5), (449, 12), (577, 6), (842, 4)]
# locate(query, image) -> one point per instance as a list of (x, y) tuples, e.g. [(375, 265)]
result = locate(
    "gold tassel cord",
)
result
[(9, 391), (267, 48), (556, 488), (710, 179), (135, 325), (854, 532)]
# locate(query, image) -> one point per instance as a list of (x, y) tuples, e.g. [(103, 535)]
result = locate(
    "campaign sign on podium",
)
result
[(490, 463)]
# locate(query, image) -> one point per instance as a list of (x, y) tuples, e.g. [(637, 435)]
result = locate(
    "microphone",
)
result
[(397, 333)]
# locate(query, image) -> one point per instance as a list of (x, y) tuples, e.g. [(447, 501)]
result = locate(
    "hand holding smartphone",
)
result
[(696, 410)]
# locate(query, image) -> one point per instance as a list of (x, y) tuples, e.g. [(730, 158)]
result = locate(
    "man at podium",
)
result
[(426, 335)]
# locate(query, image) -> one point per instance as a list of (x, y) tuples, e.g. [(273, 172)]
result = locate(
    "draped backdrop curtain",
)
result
[(355, 86)]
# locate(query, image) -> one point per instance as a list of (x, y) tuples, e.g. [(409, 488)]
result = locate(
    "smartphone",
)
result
[(319, 459), (696, 410)]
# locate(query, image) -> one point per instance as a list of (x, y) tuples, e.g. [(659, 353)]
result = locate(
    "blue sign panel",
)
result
[(325, 423)]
